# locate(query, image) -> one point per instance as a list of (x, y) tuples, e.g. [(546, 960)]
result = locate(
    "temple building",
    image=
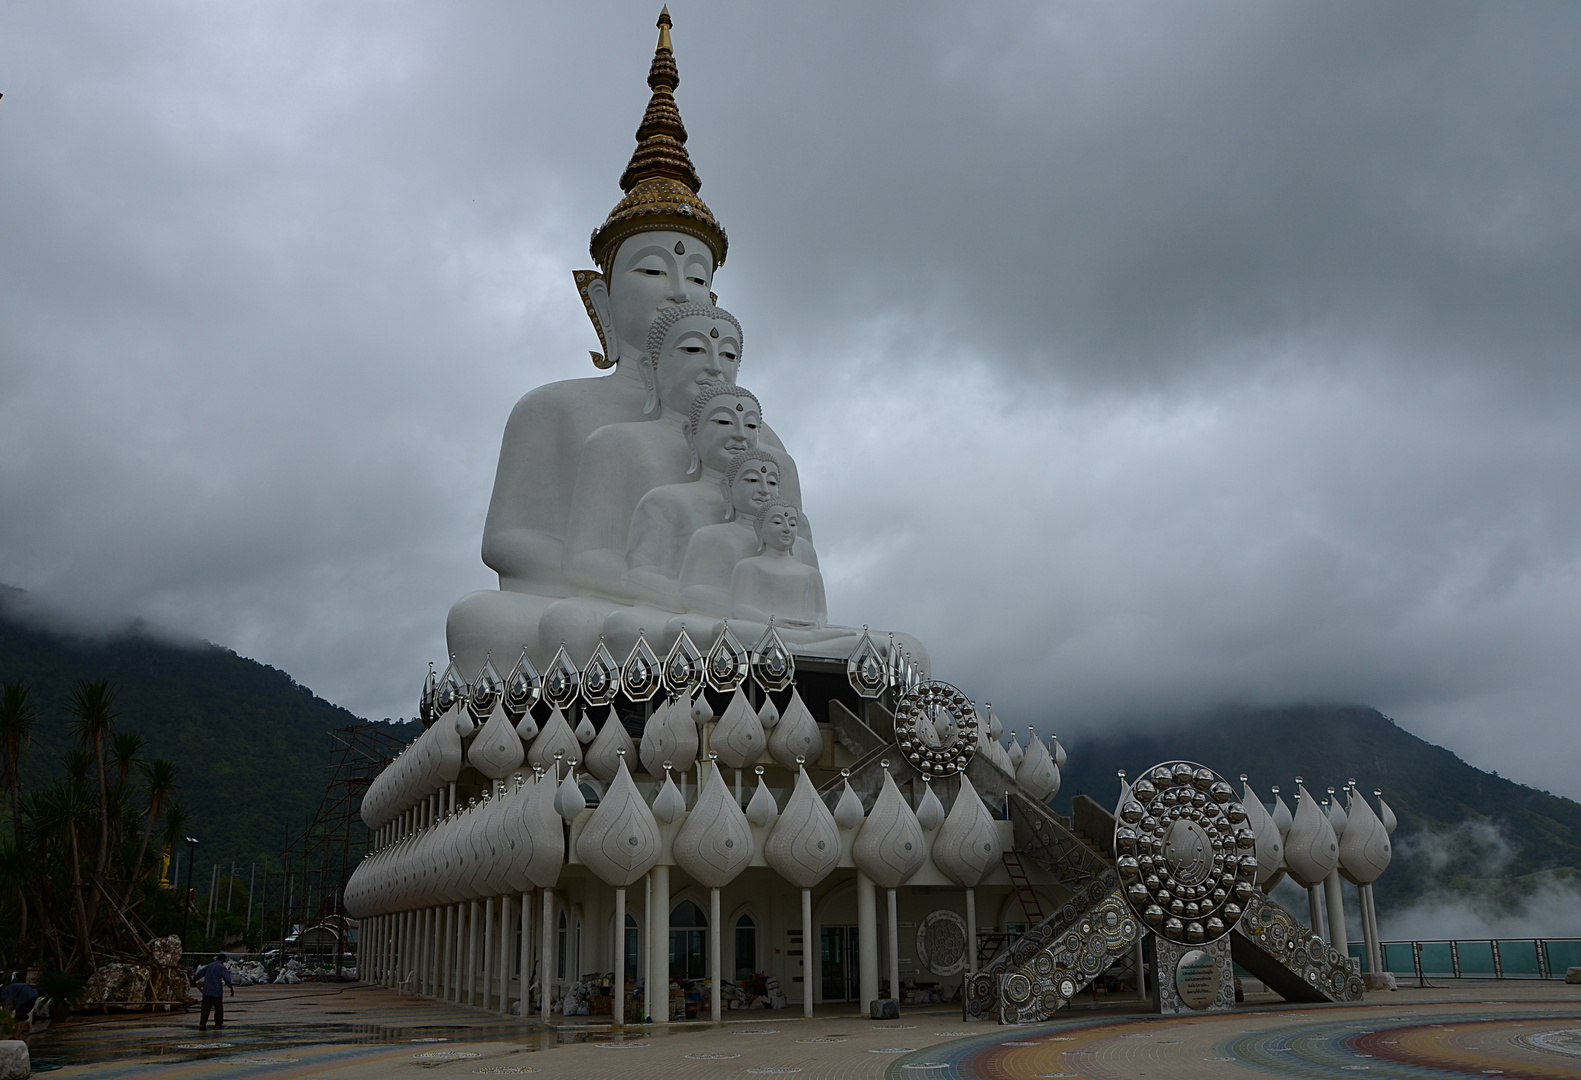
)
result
[(656, 783)]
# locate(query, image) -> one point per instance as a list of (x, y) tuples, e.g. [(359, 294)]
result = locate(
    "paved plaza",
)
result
[(350, 1032)]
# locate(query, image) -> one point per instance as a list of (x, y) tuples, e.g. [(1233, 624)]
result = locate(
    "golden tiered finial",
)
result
[(664, 25), (660, 183)]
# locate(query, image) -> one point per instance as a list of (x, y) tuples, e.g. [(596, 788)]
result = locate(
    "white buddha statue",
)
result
[(658, 248), (691, 349), (774, 584), (724, 423), (751, 482)]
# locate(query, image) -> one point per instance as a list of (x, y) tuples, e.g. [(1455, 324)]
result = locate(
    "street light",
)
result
[(186, 896)]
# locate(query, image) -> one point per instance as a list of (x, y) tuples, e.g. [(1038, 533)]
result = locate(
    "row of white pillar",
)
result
[(436, 949), (1325, 903)]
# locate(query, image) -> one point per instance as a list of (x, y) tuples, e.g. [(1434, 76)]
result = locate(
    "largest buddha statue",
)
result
[(602, 482)]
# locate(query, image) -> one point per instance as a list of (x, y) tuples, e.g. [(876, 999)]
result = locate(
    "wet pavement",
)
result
[(351, 1032)]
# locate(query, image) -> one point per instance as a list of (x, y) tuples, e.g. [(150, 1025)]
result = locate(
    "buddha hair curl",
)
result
[(737, 463)]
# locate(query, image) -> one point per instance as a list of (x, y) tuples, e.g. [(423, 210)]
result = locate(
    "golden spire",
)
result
[(660, 183)]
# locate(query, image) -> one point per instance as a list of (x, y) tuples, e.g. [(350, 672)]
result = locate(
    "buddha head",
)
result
[(776, 523), (724, 421), (752, 480), (688, 347), (660, 244)]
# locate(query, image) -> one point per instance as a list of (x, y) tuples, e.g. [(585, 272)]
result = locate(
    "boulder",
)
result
[(1573, 976), (884, 1009), (14, 1062)]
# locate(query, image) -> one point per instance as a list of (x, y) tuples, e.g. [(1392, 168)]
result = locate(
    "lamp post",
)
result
[(186, 897)]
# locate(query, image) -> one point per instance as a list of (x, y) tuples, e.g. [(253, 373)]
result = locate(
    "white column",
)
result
[(1315, 909), (547, 954), (867, 939), (472, 953), (894, 950), (618, 1013), (488, 951), (507, 932), (1338, 936), (806, 953), (971, 932), (715, 966), (527, 954), (659, 946)]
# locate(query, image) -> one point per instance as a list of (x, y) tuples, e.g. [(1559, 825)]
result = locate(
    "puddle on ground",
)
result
[(89, 1041)]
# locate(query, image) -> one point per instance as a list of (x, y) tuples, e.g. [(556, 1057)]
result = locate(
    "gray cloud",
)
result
[(1135, 357)]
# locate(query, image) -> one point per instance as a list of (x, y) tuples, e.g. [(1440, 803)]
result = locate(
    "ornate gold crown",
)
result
[(660, 183)]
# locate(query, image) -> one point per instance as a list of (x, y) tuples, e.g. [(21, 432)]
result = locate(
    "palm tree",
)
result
[(16, 730), (93, 722), (159, 780), (125, 751)]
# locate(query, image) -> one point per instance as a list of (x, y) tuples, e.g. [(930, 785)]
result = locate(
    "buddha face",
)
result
[(698, 350), (757, 483), (654, 270), (728, 425), (778, 531)]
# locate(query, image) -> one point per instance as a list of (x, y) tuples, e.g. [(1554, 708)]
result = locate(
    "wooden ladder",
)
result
[(1023, 886)]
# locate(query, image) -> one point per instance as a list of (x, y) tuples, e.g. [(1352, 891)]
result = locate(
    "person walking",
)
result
[(214, 978)]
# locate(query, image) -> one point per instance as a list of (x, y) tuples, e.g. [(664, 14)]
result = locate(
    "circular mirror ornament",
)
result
[(941, 943), (936, 727), (1184, 853)]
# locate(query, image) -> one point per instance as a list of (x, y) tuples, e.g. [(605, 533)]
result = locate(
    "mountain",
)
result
[(251, 745), (1460, 827)]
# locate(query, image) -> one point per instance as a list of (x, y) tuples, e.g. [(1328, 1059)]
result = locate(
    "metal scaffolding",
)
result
[(315, 862)]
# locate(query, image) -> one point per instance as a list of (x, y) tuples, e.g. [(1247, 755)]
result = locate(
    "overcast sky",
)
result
[(1136, 357)]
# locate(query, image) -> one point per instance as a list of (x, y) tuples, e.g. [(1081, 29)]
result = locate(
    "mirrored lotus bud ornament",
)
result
[(937, 728), (726, 667), (865, 668), (487, 689), (427, 705), (523, 686), (772, 665), (601, 677), (683, 668), (561, 681), (640, 676), (1185, 855), (451, 688)]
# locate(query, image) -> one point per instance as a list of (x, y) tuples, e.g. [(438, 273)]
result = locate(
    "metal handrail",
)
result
[(1480, 958)]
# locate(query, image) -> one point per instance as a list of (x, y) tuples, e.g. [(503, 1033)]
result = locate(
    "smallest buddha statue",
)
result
[(774, 584)]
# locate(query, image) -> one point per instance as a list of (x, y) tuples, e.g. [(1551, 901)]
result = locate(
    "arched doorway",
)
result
[(688, 941), (744, 935)]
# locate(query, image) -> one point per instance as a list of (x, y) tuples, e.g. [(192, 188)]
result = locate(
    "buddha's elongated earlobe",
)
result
[(691, 443), (730, 507), (650, 382)]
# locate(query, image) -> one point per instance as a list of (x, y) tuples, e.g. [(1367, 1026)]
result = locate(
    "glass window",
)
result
[(746, 947), (560, 951), (632, 944), (688, 942)]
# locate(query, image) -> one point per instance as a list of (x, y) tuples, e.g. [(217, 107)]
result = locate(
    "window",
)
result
[(560, 951), (688, 942), (632, 946), (746, 948)]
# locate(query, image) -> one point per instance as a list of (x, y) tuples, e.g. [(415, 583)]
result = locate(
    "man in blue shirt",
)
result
[(214, 978), (19, 997)]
